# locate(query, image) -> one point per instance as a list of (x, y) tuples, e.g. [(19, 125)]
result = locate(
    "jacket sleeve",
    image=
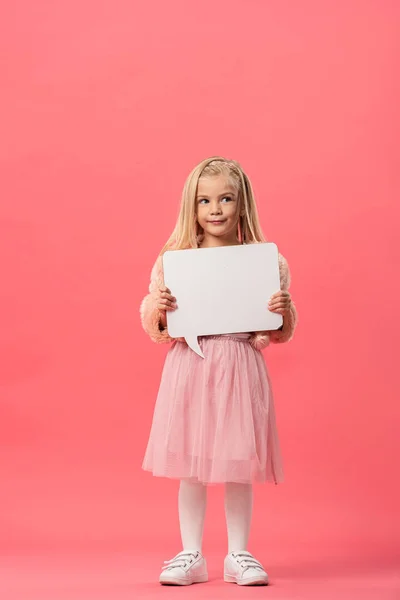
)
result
[(261, 339), (149, 313)]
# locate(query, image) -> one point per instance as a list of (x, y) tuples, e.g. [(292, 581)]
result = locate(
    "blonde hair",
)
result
[(186, 232)]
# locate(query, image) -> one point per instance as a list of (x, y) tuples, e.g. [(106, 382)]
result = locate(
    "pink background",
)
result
[(105, 108)]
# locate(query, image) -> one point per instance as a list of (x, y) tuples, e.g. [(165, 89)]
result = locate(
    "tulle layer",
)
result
[(214, 418)]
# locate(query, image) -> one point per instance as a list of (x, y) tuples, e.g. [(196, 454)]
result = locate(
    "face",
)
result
[(217, 210)]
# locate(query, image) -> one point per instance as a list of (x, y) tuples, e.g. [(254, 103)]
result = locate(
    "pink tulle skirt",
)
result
[(214, 418)]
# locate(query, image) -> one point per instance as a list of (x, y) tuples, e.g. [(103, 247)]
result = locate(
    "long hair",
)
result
[(187, 232)]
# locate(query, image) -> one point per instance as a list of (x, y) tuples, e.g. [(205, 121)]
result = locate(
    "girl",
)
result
[(214, 419)]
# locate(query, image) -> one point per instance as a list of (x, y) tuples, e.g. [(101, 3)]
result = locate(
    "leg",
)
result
[(189, 566), (192, 501), (238, 512), (240, 566)]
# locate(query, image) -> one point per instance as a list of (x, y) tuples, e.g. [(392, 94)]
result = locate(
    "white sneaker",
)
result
[(186, 568), (242, 568)]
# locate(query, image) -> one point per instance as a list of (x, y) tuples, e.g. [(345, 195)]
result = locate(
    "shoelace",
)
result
[(247, 561), (183, 559)]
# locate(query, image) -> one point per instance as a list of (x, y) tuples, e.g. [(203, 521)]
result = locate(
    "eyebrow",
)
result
[(229, 193)]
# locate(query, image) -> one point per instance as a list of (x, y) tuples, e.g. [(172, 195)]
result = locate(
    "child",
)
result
[(214, 419)]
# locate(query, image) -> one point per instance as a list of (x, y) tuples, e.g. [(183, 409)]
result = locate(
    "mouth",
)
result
[(217, 222)]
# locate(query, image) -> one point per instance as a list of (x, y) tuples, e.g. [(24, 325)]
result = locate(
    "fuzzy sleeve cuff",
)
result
[(149, 313), (261, 339)]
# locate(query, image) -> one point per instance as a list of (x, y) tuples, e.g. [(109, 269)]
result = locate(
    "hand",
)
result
[(166, 302), (280, 302)]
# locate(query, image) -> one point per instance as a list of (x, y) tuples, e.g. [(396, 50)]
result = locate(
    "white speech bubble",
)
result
[(222, 290), (193, 343)]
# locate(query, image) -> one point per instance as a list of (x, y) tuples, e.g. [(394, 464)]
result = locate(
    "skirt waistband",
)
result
[(236, 337)]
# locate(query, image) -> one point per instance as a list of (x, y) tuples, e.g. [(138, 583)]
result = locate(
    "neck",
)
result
[(211, 241)]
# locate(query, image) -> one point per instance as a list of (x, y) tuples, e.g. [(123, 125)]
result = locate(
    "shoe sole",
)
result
[(250, 581), (177, 581)]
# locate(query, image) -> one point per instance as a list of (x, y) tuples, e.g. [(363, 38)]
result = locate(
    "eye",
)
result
[(203, 201), (227, 198)]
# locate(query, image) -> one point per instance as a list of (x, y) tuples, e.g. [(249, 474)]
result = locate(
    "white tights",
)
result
[(192, 501)]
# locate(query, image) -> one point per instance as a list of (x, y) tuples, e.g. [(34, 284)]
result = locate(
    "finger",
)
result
[(279, 308), (279, 304), (168, 296), (167, 302), (165, 308), (279, 311), (280, 294), (164, 288)]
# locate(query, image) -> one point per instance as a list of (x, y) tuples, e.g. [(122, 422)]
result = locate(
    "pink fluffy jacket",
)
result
[(150, 315)]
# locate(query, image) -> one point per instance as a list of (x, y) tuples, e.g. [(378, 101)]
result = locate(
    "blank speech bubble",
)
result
[(222, 290)]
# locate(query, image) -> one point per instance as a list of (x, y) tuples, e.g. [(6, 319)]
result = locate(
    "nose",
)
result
[(215, 208)]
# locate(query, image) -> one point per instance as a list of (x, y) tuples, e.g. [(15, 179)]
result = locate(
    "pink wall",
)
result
[(105, 108)]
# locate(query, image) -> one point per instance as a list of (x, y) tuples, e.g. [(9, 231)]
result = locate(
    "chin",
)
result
[(218, 231), (217, 234)]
